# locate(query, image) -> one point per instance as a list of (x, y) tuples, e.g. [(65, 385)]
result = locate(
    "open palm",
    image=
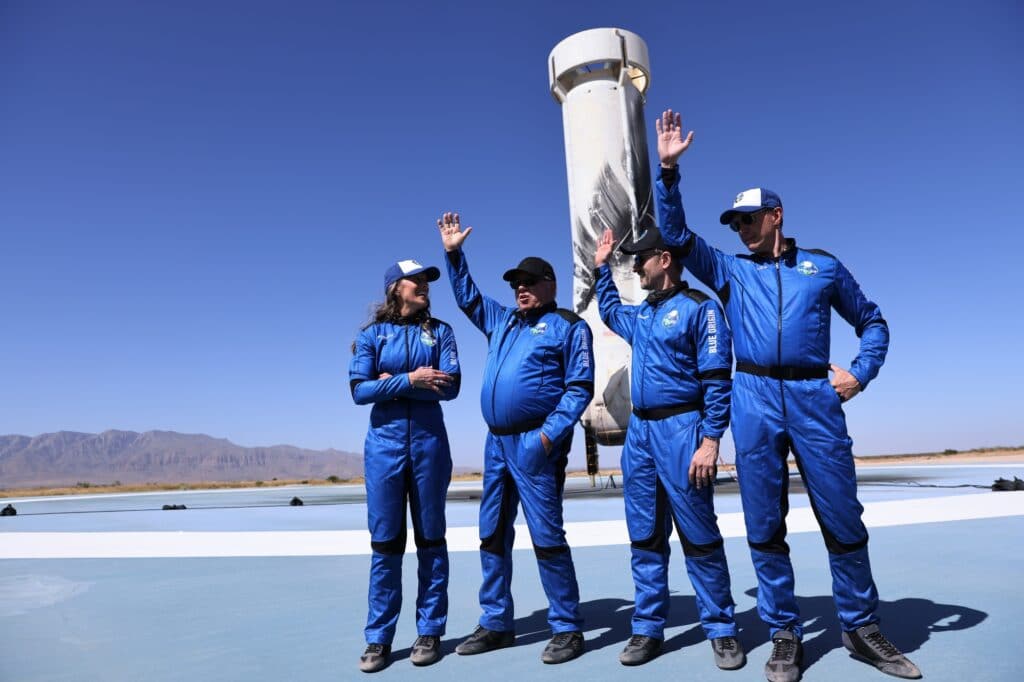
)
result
[(671, 143), (452, 234)]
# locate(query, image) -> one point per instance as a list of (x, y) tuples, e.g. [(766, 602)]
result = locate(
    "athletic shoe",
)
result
[(376, 657), (784, 663), (483, 640), (639, 650), (563, 647), (870, 645), (426, 650), (728, 653)]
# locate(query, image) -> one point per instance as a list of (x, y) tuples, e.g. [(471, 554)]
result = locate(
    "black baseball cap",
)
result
[(531, 266), (651, 240)]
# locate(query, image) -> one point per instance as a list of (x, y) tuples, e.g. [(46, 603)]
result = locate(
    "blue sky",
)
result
[(198, 200)]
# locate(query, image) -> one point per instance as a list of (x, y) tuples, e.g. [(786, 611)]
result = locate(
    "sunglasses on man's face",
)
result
[(640, 258), (741, 219), (523, 282)]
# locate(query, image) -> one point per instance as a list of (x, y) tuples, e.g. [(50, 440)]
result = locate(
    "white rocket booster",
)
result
[(600, 77)]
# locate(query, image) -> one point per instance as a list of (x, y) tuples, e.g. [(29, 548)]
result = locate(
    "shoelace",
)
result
[(637, 641), (784, 649), (879, 642), (374, 648), (424, 642), (562, 638), (727, 643)]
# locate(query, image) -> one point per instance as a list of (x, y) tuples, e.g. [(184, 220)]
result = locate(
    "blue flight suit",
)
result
[(680, 385), (406, 456), (539, 377), (780, 313)]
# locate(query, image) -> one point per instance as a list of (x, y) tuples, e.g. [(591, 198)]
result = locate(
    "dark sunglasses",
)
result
[(642, 257), (523, 282), (743, 219)]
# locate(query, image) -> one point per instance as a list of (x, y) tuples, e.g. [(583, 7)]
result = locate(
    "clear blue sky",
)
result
[(198, 199)]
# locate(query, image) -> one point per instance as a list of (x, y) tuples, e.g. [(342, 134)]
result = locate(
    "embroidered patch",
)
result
[(807, 268), (539, 328), (427, 339), (670, 320)]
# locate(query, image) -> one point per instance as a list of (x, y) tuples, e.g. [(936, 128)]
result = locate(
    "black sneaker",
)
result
[(639, 650), (784, 663), (483, 640), (870, 645), (563, 647), (376, 657), (728, 653), (426, 650)]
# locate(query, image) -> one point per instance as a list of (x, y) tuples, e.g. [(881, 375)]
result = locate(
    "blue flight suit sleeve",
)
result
[(707, 263), (362, 374), (620, 318), (482, 311), (578, 356), (713, 342), (866, 320)]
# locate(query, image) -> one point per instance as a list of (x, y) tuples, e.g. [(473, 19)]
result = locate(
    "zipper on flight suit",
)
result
[(782, 383)]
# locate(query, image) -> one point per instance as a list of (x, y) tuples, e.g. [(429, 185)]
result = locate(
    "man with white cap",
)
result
[(778, 300)]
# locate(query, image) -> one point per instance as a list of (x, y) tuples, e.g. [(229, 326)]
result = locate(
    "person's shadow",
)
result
[(908, 623)]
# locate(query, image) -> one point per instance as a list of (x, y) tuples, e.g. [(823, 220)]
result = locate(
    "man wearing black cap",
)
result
[(779, 301), (538, 379), (680, 385)]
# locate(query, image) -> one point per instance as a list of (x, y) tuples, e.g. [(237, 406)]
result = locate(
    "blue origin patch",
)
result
[(539, 328), (584, 349), (712, 332), (670, 320), (806, 267), (427, 339)]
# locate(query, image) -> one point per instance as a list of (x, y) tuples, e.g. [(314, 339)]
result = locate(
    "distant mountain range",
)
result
[(68, 458)]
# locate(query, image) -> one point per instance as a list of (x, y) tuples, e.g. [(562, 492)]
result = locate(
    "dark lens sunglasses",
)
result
[(642, 257), (523, 282), (743, 219)]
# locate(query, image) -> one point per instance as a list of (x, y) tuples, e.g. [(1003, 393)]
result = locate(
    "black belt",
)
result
[(655, 413), (521, 427), (783, 372)]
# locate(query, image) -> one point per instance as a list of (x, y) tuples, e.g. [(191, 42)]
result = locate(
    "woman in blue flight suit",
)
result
[(404, 362)]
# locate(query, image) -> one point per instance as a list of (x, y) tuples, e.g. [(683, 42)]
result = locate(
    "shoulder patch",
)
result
[(697, 295), (568, 315), (820, 252)]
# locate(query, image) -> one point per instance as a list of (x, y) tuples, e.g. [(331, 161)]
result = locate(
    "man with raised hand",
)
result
[(778, 300), (680, 385), (538, 379)]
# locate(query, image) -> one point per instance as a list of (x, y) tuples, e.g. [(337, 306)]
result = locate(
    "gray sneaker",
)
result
[(639, 650), (426, 650), (784, 663), (563, 647), (376, 657), (728, 653), (870, 645), (483, 640)]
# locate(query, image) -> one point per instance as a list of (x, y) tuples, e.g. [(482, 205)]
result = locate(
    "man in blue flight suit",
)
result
[(538, 379), (680, 385), (778, 301), (404, 362)]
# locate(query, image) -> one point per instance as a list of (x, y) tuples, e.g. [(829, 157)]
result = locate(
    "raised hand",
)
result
[(671, 143), (604, 248), (452, 234)]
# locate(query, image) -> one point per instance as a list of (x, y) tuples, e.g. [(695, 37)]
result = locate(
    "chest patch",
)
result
[(427, 339), (806, 267), (670, 320), (539, 328)]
